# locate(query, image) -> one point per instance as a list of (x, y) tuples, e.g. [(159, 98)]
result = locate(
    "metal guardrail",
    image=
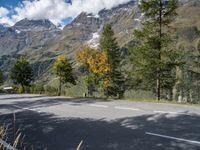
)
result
[(6, 145)]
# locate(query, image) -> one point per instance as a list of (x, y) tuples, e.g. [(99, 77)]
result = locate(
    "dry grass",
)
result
[(79, 146), (4, 136), (17, 140)]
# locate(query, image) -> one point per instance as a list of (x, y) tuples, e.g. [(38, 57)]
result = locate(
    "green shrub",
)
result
[(139, 95), (37, 88), (50, 90)]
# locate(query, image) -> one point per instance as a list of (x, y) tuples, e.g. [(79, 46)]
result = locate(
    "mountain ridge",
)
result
[(41, 41)]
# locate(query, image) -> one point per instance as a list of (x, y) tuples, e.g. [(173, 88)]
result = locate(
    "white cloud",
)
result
[(58, 10), (3, 12), (7, 21), (4, 19)]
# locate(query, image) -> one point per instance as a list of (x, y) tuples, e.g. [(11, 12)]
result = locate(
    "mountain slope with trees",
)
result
[(41, 43)]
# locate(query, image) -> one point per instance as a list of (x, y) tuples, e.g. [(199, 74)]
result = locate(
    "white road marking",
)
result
[(17, 106), (126, 108), (167, 112), (173, 138), (101, 106), (30, 109)]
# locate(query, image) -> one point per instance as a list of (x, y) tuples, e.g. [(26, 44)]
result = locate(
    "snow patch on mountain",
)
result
[(94, 41), (17, 31)]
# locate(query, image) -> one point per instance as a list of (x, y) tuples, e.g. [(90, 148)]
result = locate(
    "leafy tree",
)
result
[(96, 67), (153, 57), (1, 78), (64, 71), (109, 45), (99, 66), (22, 73), (84, 53)]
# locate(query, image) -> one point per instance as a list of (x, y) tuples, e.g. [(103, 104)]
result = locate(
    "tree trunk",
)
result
[(158, 82), (23, 88), (60, 87), (171, 94), (179, 76), (158, 89), (106, 92)]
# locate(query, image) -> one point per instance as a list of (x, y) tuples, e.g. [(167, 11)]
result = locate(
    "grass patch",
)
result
[(163, 102)]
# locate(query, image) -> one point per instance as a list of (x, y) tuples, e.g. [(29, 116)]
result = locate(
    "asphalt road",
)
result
[(59, 123)]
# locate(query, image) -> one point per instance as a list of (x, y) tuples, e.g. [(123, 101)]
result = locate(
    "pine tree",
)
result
[(153, 57), (22, 73), (64, 71), (109, 44)]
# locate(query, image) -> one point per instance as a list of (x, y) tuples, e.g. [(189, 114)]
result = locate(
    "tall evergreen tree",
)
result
[(109, 44), (22, 73), (154, 58)]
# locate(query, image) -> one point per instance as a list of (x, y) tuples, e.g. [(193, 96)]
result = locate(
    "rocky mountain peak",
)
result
[(107, 13), (86, 19), (26, 24)]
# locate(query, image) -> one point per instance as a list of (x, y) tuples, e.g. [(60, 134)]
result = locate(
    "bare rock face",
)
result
[(34, 25), (87, 28), (27, 35)]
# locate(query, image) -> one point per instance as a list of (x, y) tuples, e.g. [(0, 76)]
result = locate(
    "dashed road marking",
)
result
[(173, 138), (126, 108), (101, 106), (167, 112)]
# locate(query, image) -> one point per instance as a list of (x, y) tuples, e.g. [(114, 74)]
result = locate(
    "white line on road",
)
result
[(173, 138), (101, 106), (17, 106), (167, 112), (30, 109), (126, 108), (21, 107)]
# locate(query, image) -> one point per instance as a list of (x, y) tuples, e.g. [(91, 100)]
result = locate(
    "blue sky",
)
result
[(60, 12), (13, 3), (8, 3)]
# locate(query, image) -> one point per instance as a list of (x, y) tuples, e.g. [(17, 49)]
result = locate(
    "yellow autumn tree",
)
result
[(96, 63), (84, 53)]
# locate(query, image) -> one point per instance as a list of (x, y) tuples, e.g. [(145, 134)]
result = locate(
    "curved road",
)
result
[(60, 123)]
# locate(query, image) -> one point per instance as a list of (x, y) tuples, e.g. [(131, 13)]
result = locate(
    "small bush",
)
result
[(49, 90), (37, 88), (139, 95)]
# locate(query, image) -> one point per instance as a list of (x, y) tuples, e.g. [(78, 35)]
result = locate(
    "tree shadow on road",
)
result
[(20, 97), (44, 130), (42, 101)]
